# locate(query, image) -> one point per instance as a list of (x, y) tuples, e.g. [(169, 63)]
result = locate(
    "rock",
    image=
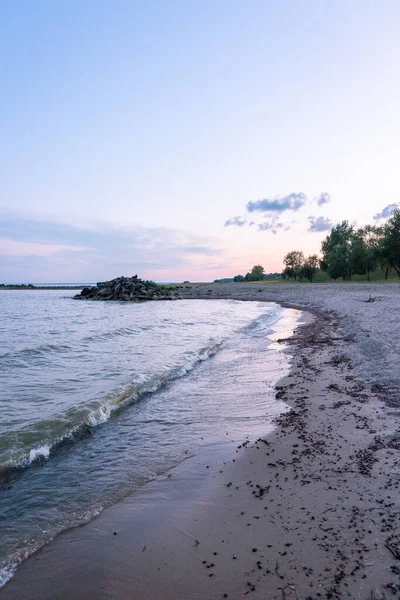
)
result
[(128, 289), (104, 292)]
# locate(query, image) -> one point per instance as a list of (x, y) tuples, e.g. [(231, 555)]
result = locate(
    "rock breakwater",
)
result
[(128, 289)]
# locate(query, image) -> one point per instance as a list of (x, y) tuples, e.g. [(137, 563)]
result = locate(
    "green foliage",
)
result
[(150, 283), (167, 287), (256, 274), (390, 244), (298, 267), (336, 251), (347, 252), (293, 262), (351, 253), (365, 254), (271, 276), (365, 249), (309, 268)]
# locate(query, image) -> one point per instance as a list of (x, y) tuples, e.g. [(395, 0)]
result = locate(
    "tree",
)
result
[(365, 249), (293, 262), (336, 251), (382, 254), (256, 274), (238, 278), (390, 246), (310, 267)]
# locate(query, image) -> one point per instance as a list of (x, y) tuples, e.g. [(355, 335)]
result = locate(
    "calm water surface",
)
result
[(97, 398)]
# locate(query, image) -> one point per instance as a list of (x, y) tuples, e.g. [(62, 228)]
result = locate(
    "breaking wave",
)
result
[(36, 444)]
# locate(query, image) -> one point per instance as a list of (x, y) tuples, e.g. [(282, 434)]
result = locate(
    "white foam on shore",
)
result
[(8, 571), (374, 327), (99, 412)]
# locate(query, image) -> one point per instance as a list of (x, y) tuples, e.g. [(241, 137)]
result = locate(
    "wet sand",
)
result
[(310, 511), (373, 326)]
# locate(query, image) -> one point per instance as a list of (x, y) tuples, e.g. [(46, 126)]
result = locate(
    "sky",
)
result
[(191, 140)]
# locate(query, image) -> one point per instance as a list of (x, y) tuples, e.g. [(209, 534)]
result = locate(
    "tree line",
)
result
[(348, 251), (256, 274)]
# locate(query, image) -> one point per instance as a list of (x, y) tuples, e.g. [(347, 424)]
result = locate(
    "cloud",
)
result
[(323, 198), (319, 224), (40, 250), (387, 211), (10, 247), (292, 202), (238, 221), (270, 227), (273, 225), (273, 208)]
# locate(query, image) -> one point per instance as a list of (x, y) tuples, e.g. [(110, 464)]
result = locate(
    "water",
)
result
[(97, 398)]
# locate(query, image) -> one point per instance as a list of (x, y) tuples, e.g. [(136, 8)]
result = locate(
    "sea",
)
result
[(99, 398)]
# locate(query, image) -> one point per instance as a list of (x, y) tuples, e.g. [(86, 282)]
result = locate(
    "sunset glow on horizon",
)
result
[(191, 140)]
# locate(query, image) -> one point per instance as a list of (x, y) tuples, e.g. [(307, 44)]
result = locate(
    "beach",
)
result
[(200, 301), (310, 510)]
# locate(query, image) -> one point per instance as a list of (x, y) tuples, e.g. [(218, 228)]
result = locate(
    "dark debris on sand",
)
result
[(346, 508)]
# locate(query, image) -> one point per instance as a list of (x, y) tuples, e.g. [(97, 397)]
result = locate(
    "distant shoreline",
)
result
[(22, 286)]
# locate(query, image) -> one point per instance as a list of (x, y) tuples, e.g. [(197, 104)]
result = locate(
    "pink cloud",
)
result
[(19, 248)]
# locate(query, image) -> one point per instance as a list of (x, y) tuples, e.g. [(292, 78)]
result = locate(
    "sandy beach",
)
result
[(309, 511)]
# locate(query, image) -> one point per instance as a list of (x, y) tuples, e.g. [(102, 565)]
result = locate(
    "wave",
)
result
[(44, 349), (9, 565), (262, 324), (114, 333), (37, 443), (37, 350)]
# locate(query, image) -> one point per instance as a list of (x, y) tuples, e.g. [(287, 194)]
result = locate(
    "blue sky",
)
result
[(190, 140)]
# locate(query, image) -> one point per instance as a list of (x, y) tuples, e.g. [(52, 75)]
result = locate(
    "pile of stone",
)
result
[(128, 289)]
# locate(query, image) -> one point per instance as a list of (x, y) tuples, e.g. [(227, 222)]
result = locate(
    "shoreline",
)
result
[(227, 374), (373, 326), (309, 512), (11, 286)]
